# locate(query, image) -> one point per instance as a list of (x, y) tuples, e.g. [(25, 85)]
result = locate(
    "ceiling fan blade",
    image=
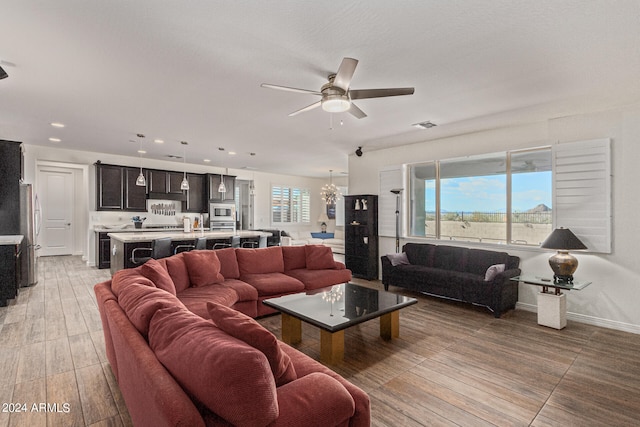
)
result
[(307, 108), (357, 112), (290, 89), (345, 73), (380, 93)]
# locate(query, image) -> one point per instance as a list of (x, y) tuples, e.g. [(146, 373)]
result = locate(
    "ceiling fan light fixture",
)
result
[(336, 103)]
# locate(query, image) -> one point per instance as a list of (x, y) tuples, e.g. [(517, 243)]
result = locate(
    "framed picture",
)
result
[(331, 211)]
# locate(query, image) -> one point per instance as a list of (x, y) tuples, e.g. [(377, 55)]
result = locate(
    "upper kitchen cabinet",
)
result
[(135, 196), (196, 200), (109, 187), (10, 175), (116, 189), (165, 185), (214, 184)]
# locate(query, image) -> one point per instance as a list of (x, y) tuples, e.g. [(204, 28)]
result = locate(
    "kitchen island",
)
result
[(123, 243)]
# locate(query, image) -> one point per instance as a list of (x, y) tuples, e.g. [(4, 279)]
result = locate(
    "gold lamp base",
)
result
[(563, 265)]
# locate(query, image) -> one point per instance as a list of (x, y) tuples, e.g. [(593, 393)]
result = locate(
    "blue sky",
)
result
[(488, 193)]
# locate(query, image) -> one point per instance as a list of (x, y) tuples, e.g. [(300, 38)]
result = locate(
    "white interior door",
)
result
[(56, 193)]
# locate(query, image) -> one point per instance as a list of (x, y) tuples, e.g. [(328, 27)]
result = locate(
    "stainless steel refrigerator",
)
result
[(30, 219)]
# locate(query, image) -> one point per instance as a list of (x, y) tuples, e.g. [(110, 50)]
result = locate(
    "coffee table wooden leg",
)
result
[(291, 329), (331, 346), (390, 325)]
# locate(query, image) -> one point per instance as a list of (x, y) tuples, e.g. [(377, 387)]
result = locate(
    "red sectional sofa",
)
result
[(185, 349)]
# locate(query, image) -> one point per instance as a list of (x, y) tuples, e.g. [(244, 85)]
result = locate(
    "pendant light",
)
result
[(222, 188), (329, 192), (184, 185), (141, 180)]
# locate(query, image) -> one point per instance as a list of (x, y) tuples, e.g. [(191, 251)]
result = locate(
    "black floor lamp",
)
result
[(397, 192)]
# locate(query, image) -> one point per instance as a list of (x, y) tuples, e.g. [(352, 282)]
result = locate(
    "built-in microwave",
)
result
[(222, 212)]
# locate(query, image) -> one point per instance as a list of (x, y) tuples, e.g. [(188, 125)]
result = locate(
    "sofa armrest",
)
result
[(506, 275), (314, 400), (387, 268)]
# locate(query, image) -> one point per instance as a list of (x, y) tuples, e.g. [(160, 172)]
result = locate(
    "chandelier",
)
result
[(329, 192)]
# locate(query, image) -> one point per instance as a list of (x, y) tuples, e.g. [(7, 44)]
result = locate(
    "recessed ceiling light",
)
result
[(424, 125), (158, 141), (142, 152), (206, 160), (55, 139), (57, 125), (232, 153)]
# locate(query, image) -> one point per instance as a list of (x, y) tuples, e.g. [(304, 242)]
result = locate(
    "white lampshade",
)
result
[(323, 217), (184, 185), (141, 180)]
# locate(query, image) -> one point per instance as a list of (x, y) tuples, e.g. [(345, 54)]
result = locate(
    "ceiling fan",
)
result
[(337, 96)]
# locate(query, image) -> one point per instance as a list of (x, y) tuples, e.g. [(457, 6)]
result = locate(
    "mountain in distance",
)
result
[(540, 208)]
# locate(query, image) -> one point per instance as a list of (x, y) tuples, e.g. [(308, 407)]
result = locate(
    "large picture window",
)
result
[(290, 205), (496, 198)]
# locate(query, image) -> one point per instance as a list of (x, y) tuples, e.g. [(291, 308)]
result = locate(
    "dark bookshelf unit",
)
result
[(361, 235)]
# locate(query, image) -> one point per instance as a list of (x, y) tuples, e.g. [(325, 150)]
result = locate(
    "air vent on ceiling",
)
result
[(424, 125), (173, 156)]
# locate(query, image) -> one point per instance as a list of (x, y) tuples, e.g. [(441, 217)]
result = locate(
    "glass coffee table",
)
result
[(335, 309)]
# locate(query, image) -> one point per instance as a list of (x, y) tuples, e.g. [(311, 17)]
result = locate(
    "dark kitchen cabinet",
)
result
[(196, 194), (103, 250), (135, 196), (361, 235), (109, 187), (10, 272), (157, 181), (175, 180), (214, 183), (116, 189), (10, 174)]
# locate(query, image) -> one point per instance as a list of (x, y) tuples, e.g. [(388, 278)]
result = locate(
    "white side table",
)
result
[(552, 305)]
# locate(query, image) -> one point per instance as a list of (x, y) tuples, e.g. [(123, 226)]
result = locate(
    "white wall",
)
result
[(35, 154), (612, 300)]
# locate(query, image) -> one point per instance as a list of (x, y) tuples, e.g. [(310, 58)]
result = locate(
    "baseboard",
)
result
[(589, 320)]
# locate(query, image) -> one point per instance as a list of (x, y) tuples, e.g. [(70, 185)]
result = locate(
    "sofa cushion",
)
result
[(398, 259), (203, 267), (419, 254), (214, 367), (178, 271), (196, 298), (478, 260), (449, 257), (319, 257), (228, 263), (269, 284), (123, 278), (294, 257), (493, 271), (140, 302), (261, 260), (314, 279), (248, 330), (158, 274)]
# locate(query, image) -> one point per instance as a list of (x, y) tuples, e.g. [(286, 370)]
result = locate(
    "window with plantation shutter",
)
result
[(290, 205)]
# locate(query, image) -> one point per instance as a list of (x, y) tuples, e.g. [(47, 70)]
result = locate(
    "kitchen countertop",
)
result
[(142, 236), (129, 228), (12, 239)]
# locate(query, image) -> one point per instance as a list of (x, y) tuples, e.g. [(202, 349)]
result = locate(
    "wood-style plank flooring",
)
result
[(453, 365)]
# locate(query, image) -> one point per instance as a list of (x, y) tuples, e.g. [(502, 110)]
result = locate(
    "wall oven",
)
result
[(222, 216)]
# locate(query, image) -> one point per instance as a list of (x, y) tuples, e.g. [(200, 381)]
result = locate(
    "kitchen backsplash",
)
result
[(159, 212)]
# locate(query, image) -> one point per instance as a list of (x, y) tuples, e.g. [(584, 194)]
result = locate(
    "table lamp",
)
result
[(323, 219), (562, 263)]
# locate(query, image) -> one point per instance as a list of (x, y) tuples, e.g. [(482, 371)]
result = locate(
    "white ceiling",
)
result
[(191, 70)]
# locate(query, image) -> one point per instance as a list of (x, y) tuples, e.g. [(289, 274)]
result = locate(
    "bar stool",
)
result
[(199, 244), (160, 248)]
